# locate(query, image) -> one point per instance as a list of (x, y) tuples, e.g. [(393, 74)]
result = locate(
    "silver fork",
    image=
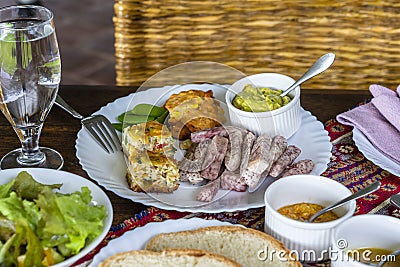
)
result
[(99, 127)]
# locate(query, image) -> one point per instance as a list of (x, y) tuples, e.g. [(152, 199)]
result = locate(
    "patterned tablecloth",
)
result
[(348, 166)]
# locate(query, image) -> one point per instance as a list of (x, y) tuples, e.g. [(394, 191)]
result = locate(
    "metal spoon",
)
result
[(319, 66), (395, 200), (365, 191)]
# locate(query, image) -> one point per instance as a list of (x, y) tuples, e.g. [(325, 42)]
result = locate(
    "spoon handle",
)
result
[(365, 191), (395, 200), (319, 66)]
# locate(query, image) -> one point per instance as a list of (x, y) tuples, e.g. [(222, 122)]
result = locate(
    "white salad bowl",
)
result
[(70, 183)]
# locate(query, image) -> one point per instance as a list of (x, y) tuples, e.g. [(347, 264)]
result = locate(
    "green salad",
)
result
[(40, 227)]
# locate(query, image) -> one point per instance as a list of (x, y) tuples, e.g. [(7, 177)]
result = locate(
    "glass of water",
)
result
[(30, 73)]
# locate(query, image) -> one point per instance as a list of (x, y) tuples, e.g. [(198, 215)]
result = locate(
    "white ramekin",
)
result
[(308, 240), (364, 231), (284, 121)]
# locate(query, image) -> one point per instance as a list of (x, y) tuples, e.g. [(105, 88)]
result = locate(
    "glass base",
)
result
[(52, 160)]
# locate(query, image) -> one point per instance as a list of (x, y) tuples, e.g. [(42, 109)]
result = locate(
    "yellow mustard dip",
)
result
[(259, 99), (303, 212)]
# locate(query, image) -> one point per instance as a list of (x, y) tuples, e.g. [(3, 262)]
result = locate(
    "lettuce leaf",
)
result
[(25, 215), (71, 216), (86, 220), (28, 188), (6, 257), (34, 249), (52, 228), (5, 189), (18, 210)]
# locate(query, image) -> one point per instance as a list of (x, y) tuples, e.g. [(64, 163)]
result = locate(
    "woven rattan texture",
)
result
[(261, 36)]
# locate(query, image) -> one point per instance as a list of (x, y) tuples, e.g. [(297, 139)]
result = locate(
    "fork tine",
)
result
[(98, 126), (104, 131), (96, 137), (112, 134)]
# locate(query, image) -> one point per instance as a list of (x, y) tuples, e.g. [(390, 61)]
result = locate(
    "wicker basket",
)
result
[(261, 36)]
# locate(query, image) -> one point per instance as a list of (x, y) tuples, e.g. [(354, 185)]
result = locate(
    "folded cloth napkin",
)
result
[(378, 120)]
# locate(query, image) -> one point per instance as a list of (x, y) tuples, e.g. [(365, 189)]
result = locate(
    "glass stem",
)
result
[(30, 154)]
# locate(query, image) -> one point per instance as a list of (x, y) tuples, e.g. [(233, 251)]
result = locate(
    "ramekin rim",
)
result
[(290, 105), (306, 225)]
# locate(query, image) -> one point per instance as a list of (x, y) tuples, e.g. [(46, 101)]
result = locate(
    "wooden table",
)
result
[(60, 129)]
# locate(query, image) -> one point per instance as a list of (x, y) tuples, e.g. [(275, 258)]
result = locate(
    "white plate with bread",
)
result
[(195, 234), (137, 238), (109, 170)]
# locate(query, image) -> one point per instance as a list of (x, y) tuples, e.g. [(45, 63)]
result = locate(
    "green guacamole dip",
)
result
[(259, 99)]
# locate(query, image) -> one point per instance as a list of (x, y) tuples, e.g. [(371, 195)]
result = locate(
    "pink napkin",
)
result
[(378, 120)]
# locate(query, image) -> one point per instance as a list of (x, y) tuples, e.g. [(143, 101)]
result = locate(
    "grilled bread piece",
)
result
[(242, 245), (168, 258)]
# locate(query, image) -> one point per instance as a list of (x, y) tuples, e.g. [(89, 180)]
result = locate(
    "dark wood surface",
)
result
[(60, 129)]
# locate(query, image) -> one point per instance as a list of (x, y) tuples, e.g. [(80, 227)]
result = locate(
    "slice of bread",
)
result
[(246, 246), (168, 258)]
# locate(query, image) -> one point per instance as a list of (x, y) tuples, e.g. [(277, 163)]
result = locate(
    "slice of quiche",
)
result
[(152, 172), (151, 136), (149, 150)]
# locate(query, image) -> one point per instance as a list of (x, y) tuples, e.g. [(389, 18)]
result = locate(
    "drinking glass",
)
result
[(30, 73)]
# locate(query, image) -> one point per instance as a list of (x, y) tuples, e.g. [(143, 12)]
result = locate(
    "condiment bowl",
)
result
[(309, 241), (283, 121), (364, 231)]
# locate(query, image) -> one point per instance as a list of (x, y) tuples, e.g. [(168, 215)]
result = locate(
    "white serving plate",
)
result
[(109, 170), (373, 154)]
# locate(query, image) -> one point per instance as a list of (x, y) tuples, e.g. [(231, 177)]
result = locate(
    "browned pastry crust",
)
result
[(192, 111)]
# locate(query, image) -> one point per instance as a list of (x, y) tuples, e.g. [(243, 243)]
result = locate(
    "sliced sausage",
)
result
[(190, 151), (278, 146), (220, 144), (199, 159), (209, 155), (260, 157), (190, 156), (208, 134), (234, 151), (201, 149), (192, 177), (234, 128), (208, 192), (251, 178), (304, 166), (183, 176), (248, 142), (232, 181), (195, 178), (287, 158)]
